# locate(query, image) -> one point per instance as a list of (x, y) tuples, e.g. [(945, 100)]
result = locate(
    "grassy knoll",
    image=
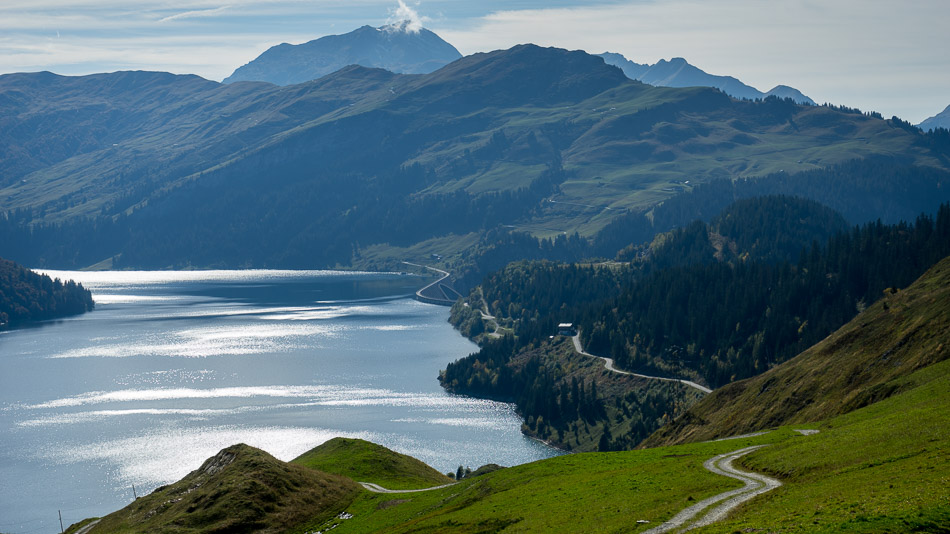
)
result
[(240, 489), (369, 462)]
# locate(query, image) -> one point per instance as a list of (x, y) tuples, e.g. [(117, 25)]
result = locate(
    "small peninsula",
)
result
[(26, 296)]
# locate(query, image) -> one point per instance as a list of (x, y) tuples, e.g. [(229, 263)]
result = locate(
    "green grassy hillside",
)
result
[(861, 363), (241, 489), (883, 468), (368, 462)]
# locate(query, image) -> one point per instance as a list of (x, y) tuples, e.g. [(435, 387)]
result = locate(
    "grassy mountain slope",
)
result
[(241, 489), (859, 364), (882, 468), (368, 462)]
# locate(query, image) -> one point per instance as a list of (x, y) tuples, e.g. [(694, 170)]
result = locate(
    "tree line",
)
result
[(27, 296)]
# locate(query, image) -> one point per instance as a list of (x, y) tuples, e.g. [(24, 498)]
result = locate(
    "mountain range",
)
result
[(394, 47), (940, 120), (677, 72), (166, 170)]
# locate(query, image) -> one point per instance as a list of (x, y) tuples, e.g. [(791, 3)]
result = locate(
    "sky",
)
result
[(888, 56)]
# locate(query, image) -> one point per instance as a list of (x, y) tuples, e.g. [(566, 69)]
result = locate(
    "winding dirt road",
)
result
[(609, 365), (376, 488), (722, 504)]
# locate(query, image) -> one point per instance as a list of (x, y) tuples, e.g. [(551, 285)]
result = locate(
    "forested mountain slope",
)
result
[(860, 364), (163, 171)]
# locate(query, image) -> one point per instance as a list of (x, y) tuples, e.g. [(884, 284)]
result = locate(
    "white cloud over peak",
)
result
[(405, 18)]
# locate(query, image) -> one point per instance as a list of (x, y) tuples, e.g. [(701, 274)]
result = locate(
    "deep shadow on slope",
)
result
[(852, 368)]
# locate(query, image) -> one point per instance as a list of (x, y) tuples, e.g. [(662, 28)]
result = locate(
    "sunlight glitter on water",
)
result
[(316, 396), (211, 341)]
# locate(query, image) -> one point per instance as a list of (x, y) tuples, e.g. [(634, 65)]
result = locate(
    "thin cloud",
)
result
[(196, 14)]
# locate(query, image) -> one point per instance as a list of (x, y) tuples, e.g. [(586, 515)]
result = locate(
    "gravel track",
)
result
[(755, 484), (376, 488)]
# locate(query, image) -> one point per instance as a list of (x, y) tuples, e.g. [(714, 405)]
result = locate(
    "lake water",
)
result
[(173, 366)]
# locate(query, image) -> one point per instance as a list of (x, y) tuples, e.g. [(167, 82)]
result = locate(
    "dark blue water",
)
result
[(173, 366)]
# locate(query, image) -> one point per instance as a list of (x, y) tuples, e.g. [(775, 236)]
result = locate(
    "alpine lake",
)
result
[(173, 366)]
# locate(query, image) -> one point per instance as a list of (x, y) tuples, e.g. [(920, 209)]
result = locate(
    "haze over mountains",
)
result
[(397, 48), (677, 72)]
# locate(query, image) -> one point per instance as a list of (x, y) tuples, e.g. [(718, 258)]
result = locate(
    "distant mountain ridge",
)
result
[(940, 120), (393, 47), (176, 170), (677, 72)]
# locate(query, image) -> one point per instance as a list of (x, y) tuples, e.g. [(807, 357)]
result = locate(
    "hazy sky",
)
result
[(882, 55)]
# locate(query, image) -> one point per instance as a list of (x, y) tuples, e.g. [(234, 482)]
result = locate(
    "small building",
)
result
[(566, 329)]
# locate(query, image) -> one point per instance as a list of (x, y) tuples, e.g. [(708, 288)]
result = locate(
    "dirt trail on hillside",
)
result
[(376, 488), (755, 484)]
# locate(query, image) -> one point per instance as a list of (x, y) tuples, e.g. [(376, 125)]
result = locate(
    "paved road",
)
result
[(376, 488), (722, 504), (609, 365), (421, 294)]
